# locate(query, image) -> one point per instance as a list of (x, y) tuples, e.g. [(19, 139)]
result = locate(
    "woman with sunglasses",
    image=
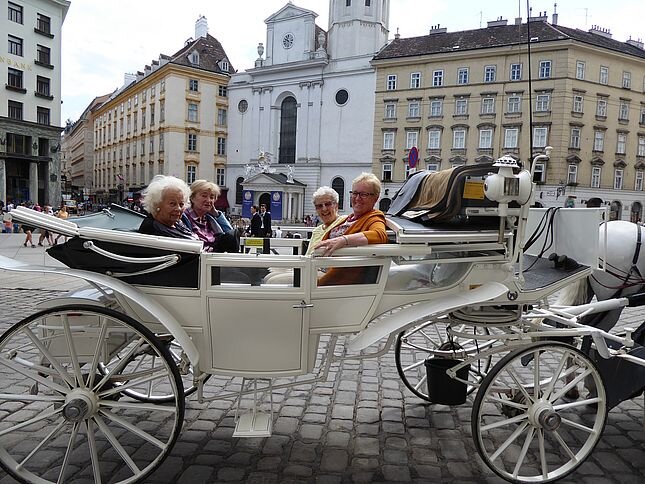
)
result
[(365, 225)]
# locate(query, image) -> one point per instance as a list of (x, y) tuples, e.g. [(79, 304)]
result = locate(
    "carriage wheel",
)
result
[(154, 391), (524, 428), (414, 345), (61, 419)]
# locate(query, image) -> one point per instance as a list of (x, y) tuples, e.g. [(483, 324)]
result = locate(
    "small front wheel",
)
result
[(72, 421), (525, 429), (430, 339)]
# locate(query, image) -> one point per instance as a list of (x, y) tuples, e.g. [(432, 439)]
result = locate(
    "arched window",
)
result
[(238, 190), (288, 121), (636, 214), (339, 185), (616, 210)]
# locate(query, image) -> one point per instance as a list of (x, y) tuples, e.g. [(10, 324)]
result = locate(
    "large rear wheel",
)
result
[(524, 427), (62, 419)]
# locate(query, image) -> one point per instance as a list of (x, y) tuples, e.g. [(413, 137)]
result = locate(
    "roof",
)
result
[(210, 52), (498, 36)]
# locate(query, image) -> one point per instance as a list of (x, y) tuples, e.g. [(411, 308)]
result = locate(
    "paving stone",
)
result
[(334, 460), (366, 446)]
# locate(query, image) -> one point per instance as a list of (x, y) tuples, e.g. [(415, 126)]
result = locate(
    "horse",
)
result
[(624, 272)]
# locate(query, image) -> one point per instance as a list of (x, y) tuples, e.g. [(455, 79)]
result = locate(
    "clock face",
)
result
[(287, 41)]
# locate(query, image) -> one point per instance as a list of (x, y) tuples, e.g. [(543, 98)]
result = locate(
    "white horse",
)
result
[(624, 274)]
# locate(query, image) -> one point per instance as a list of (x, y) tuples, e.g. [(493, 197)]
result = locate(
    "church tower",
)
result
[(357, 27)]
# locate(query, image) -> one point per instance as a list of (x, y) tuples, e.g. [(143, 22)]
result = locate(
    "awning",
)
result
[(222, 201)]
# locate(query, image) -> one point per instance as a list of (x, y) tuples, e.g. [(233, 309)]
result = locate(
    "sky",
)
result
[(102, 40)]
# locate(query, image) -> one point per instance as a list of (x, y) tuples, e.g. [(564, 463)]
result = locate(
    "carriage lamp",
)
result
[(505, 186)]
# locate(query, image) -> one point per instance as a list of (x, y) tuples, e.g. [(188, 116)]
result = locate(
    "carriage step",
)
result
[(254, 424)]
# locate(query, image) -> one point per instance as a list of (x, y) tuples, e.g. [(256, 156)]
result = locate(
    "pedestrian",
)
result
[(278, 233), (265, 226), (7, 223), (256, 222), (61, 214), (27, 229)]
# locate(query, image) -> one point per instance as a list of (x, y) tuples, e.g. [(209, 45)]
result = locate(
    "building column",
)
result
[(33, 182)]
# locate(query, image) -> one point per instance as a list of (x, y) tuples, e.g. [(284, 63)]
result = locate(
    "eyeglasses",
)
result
[(324, 204), (362, 195)]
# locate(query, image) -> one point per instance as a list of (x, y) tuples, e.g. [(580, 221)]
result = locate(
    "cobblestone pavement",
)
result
[(362, 425)]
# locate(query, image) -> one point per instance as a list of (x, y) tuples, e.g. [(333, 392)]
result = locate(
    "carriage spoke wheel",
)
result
[(145, 360), (63, 420), (524, 428), (430, 339)]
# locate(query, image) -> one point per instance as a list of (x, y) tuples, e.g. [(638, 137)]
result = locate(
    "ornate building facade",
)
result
[(307, 106), (30, 101), (169, 119), (463, 97)]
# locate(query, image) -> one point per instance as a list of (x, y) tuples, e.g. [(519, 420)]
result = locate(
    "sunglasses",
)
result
[(324, 204), (362, 195)]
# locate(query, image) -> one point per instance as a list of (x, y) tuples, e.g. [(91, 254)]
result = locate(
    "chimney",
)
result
[(437, 29), (139, 75), (518, 20), (201, 27), (397, 35), (596, 29), (500, 22), (542, 17), (636, 43), (555, 14)]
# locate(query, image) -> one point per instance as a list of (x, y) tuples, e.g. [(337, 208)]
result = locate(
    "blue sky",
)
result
[(103, 40)]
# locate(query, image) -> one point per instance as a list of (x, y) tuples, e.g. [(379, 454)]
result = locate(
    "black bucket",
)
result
[(441, 388)]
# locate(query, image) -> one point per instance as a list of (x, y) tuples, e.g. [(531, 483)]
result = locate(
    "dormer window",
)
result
[(194, 57), (224, 65)]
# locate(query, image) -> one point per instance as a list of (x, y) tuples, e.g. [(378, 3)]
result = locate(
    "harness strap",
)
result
[(637, 252)]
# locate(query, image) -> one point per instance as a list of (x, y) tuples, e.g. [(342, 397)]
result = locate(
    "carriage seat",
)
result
[(442, 197)]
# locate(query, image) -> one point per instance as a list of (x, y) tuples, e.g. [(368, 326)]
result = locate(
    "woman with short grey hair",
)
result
[(164, 200)]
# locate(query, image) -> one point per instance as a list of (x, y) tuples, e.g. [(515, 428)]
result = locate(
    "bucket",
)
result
[(441, 388)]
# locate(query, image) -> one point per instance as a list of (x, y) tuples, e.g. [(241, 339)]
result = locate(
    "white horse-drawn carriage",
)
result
[(96, 381)]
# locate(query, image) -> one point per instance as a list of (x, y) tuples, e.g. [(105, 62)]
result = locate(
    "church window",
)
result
[(288, 123), (238, 190), (242, 106), (341, 97), (338, 185)]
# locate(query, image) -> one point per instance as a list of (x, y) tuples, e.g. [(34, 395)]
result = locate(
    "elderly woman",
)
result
[(164, 200), (207, 223), (365, 225), (326, 204)]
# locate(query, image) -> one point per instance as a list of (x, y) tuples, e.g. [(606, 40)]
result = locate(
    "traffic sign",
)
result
[(413, 157)]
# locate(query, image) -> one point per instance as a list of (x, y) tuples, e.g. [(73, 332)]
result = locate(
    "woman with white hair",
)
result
[(325, 201), (164, 200)]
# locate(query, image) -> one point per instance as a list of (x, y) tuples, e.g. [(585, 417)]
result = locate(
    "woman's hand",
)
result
[(330, 245)]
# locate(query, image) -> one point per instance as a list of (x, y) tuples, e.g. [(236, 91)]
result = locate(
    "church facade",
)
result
[(304, 115)]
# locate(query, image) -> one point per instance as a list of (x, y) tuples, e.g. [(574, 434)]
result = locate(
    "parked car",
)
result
[(71, 206)]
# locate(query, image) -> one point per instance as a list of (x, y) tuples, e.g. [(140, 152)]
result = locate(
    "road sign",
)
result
[(413, 157)]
